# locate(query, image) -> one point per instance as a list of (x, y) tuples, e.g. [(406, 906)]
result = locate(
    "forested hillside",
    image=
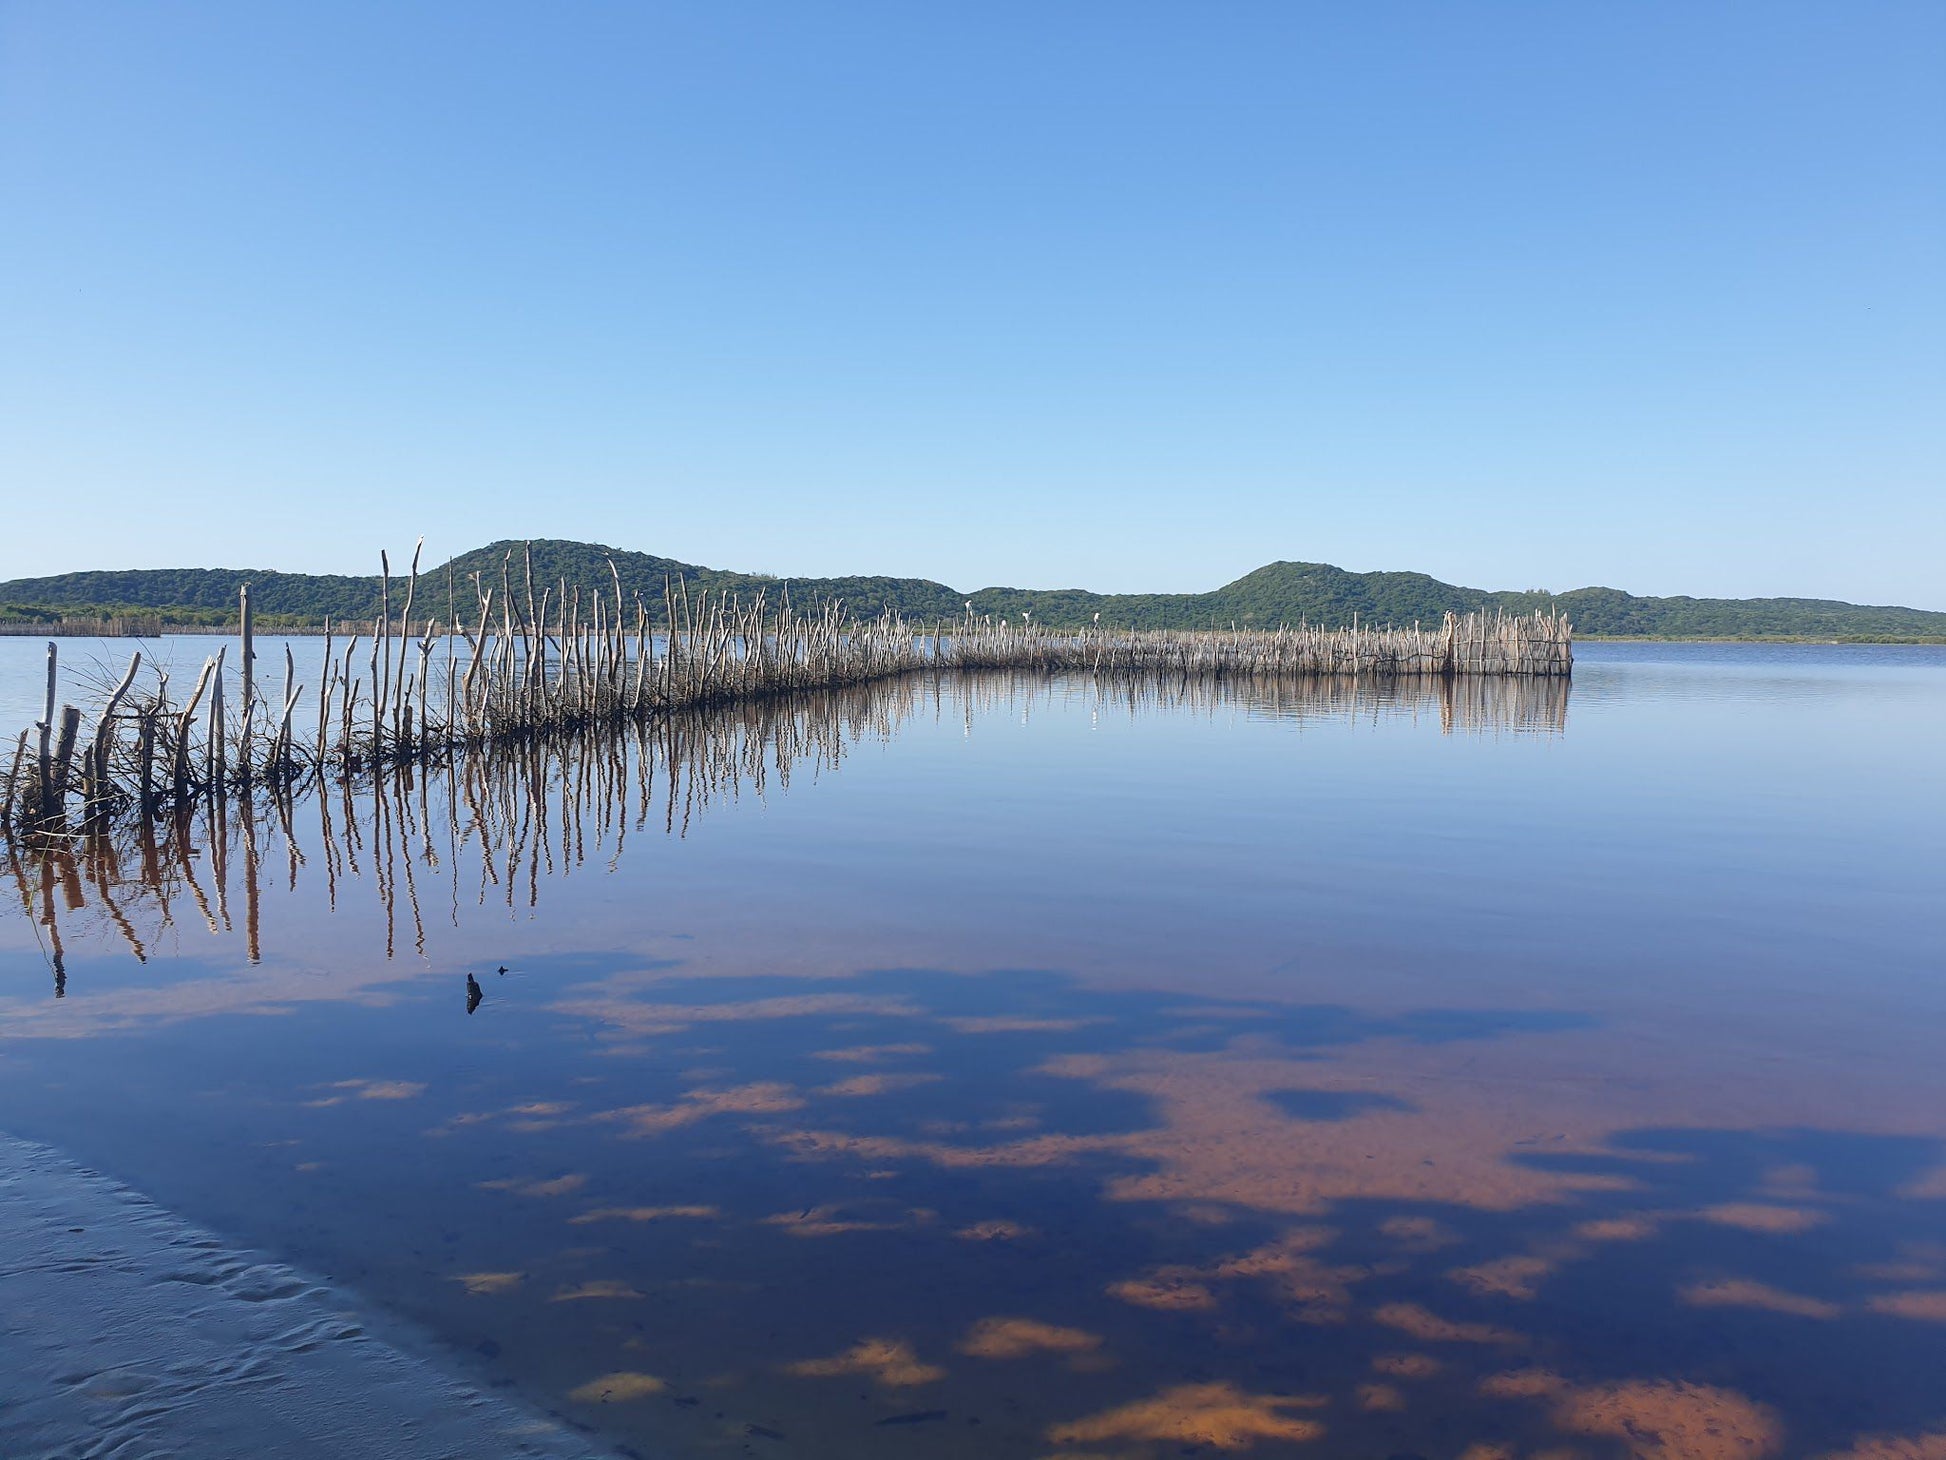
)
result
[(1280, 592)]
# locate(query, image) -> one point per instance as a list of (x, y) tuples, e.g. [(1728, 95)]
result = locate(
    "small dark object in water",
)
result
[(917, 1417), (501, 969), (688, 1401), (488, 1348), (761, 1432), (473, 994)]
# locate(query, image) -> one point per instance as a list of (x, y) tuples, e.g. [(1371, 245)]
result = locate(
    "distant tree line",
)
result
[(1277, 593)]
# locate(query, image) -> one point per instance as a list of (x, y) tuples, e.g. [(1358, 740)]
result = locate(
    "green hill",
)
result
[(191, 595), (1280, 592), (585, 565)]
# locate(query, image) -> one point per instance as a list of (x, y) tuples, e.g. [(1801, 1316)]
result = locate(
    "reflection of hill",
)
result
[(530, 811)]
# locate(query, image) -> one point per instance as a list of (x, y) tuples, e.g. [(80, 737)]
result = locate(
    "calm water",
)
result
[(1014, 1072)]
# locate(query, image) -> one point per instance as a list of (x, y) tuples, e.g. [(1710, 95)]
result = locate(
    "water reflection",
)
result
[(707, 1199), (1032, 1218), (501, 826), (1121, 1223)]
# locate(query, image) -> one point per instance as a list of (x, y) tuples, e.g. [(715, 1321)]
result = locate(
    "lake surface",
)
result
[(1001, 1069)]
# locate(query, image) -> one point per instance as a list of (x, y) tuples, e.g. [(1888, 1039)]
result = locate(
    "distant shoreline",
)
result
[(346, 631), (1922, 640), (545, 578)]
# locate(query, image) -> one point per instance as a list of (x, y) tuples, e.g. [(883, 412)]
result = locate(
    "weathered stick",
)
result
[(13, 778), (249, 627), (96, 759), (217, 766), (181, 774), (47, 732), (64, 752)]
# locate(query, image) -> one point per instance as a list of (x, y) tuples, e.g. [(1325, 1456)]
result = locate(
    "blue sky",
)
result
[(1114, 295)]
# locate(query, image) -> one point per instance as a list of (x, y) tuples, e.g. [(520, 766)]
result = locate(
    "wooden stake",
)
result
[(249, 651)]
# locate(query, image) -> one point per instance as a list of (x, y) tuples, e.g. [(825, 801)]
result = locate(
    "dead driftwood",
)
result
[(527, 666)]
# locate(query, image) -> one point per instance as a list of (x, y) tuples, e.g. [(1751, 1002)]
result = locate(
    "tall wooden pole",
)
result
[(47, 734), (249, 628)]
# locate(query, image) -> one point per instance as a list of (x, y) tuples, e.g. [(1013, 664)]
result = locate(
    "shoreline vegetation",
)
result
[(1919, 639), (528, 662), (135, 628), (151, 602)]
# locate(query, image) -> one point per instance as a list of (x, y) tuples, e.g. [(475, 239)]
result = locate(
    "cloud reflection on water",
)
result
[(704, 1204), (1482, 1267)]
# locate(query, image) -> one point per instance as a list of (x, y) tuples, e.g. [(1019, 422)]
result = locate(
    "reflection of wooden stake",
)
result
[(293, 855), (53, 926), (100, 866), (20, 878), (352, 843), (252, 910), (185, 855), (219, 855), (330, 847), (401, 786), (151, 860), (382, 868), (72, 894)]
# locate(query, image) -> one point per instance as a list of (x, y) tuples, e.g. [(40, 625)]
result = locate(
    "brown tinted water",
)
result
[(999, 1070)]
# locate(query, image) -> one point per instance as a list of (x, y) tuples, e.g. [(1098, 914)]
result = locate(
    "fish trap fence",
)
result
[(529, 665)]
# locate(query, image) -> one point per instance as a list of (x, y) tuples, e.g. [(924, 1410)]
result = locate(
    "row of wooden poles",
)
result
[(428, 840), (1499, 645), (92, 626), (534, 664)]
